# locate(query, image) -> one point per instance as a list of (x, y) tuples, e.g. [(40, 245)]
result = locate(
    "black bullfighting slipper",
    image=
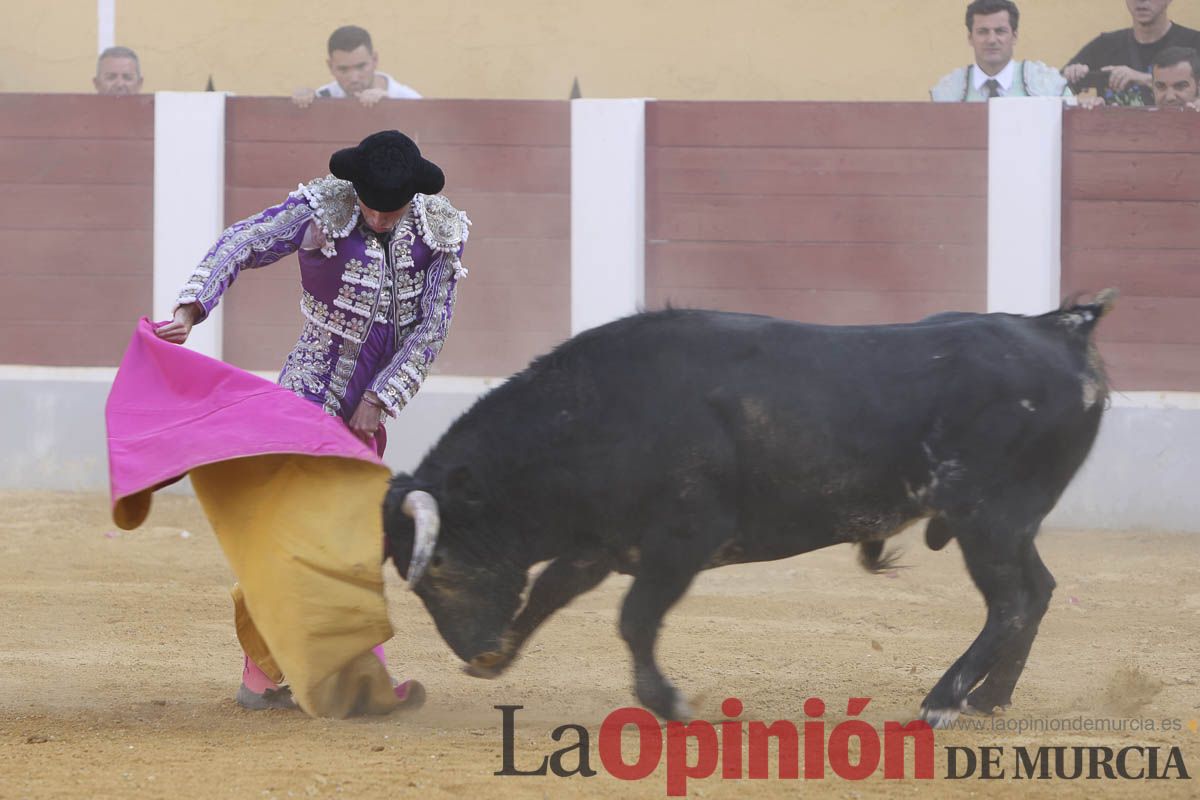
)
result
[(269, 698)]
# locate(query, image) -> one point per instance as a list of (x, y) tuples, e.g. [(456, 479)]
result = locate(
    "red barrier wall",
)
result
[(76, 212), (832, 213), (507, 164), (826, 212), (1131, 219)]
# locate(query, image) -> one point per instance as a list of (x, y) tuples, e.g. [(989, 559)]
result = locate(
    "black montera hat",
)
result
[(387, 170)]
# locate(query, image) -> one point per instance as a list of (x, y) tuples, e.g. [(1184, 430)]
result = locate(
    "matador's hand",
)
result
[(177, 330), (366, 420)]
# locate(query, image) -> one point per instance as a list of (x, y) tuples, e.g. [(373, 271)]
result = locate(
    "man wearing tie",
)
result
[(992, 34)]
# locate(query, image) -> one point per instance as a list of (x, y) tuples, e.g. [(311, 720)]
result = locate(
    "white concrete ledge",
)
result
[(22, 372), (1141, 473), (1139, 476), (1182, 401), (471, 384)]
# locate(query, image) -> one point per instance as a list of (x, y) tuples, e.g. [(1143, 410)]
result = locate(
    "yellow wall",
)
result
[(670, 49), (47, 47)]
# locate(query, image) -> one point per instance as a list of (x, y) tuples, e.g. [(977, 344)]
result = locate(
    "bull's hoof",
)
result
[(940, 718), (477, 672), (680, 710), (486, 665), (984, 710), (985, 701), (673, 710), (664, 699)]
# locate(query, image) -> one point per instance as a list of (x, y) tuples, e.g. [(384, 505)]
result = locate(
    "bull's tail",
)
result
[(872, 558)]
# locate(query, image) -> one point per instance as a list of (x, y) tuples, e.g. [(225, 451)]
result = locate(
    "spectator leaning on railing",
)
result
[(1175, 72), (118, 72), (1117, 64), (352, 62), (992, 34)]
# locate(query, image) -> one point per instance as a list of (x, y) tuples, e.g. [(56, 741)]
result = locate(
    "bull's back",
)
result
[(752, 369), (844, 428), (814, 434)]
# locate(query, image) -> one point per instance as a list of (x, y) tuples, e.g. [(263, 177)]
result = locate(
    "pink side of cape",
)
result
[(171, 409)]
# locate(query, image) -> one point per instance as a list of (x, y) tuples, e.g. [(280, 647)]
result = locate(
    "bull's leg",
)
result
[(994, 561), (657, 587), (997, 688), (561, 581)]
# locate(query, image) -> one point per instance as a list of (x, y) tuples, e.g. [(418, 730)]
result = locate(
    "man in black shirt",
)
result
[(1117, 64)]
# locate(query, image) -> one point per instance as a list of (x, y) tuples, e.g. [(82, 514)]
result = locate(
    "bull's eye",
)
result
[(436, 562)]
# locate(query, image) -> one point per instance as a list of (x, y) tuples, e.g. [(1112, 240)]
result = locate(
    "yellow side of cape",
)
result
[(304, 537)]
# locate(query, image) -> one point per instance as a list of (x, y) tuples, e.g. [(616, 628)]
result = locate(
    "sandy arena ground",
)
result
[(118, 664)]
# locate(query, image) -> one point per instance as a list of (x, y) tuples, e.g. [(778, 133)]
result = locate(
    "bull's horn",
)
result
[(423, 509)]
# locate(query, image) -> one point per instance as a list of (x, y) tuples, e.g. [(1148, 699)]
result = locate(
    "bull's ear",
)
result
[(460, 486)]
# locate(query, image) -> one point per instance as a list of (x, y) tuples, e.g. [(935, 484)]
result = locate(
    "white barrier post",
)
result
[(608, 210), (1025, 136), (106, 24), (189, 198)]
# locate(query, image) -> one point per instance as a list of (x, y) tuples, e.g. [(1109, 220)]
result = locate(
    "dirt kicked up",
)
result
[(118, 665)]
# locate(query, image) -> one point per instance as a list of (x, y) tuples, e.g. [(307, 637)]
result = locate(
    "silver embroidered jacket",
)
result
[(349, 282)]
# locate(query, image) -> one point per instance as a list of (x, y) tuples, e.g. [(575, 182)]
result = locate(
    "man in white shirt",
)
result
[(352, 62), (992, 34)]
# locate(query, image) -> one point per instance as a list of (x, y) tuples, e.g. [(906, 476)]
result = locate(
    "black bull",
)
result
[(671, 442)]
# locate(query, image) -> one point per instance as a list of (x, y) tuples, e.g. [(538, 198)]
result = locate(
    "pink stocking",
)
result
[(255, 679)]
